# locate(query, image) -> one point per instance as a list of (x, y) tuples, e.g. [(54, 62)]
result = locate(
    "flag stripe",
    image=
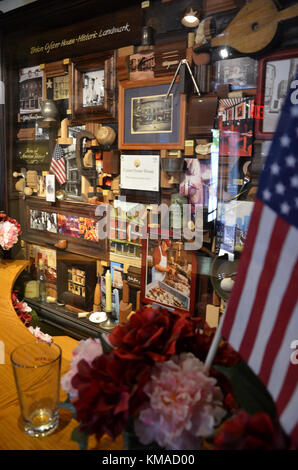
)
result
[(243, 268), (285, 312), (288, 418), (251, 282), (270, 263), (288, 390), (282, 359), (58, 171), (294, 434), (273, 303)]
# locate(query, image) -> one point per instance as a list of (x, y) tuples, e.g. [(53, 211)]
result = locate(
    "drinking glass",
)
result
[(36, 366)]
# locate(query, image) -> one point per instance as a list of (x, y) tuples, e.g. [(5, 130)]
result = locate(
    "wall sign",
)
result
[(97, 34), (140, 172)]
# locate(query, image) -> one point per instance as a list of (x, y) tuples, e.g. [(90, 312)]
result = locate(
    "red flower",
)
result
[(151, 335), (258, 432), (109, 392)]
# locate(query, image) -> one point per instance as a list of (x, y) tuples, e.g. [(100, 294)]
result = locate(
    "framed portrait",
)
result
[(168, 274), (94, 87), (275, 75), (240, 111), (57, 85), (50, 188), (147, 118)]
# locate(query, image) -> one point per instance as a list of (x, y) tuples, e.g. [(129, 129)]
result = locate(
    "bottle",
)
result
[(42, 282), (177, 214)]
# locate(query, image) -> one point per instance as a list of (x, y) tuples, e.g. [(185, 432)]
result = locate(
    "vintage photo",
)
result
[(168, 276), (38, 220), (45, 221), (93, 88), (152, 114), (278, 76), (51, 221), (30, 89), (240, 73), (50, 188)]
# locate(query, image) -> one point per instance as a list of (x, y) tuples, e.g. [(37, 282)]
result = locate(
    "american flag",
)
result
[(58, 164), (261, 319)]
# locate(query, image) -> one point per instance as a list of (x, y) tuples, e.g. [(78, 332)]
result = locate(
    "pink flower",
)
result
[(40, 335), (87, 350), (8, 234), (184, 405)]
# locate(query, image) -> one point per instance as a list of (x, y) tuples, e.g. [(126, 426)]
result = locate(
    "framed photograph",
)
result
[(147, 118), (30, 93), (240, 111), (57, 85), (168, 274), (50, 188), (94, 87), (276, 72)]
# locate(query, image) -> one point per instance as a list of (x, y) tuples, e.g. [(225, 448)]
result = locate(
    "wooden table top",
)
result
[(13, 333)]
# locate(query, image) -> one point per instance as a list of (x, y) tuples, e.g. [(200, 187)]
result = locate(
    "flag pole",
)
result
[(214, 345)]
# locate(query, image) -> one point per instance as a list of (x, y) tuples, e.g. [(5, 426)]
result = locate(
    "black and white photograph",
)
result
[(93, 88), (240, 73), (38, 220), (279, 75), (152, 114), (50, 188), (30, 88), (51, 221)]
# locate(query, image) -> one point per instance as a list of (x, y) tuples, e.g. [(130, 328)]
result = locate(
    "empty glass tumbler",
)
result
[(36, 366)]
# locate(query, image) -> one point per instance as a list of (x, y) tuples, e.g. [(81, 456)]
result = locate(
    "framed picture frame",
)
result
[(57, 85), (94, 87), (30, 93), (73, 223), (147, 120), (176, 288), (275, 74), (50, 188)]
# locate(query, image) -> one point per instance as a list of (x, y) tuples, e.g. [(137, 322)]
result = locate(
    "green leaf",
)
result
[(35, 319), (249, 392), (80, 437)]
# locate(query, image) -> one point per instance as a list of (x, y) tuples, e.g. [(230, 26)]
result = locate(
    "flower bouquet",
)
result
[(10, 231), (148, 377), (29, 317)]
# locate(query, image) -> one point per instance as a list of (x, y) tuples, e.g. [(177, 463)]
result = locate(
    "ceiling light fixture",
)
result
[(190, 17)]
